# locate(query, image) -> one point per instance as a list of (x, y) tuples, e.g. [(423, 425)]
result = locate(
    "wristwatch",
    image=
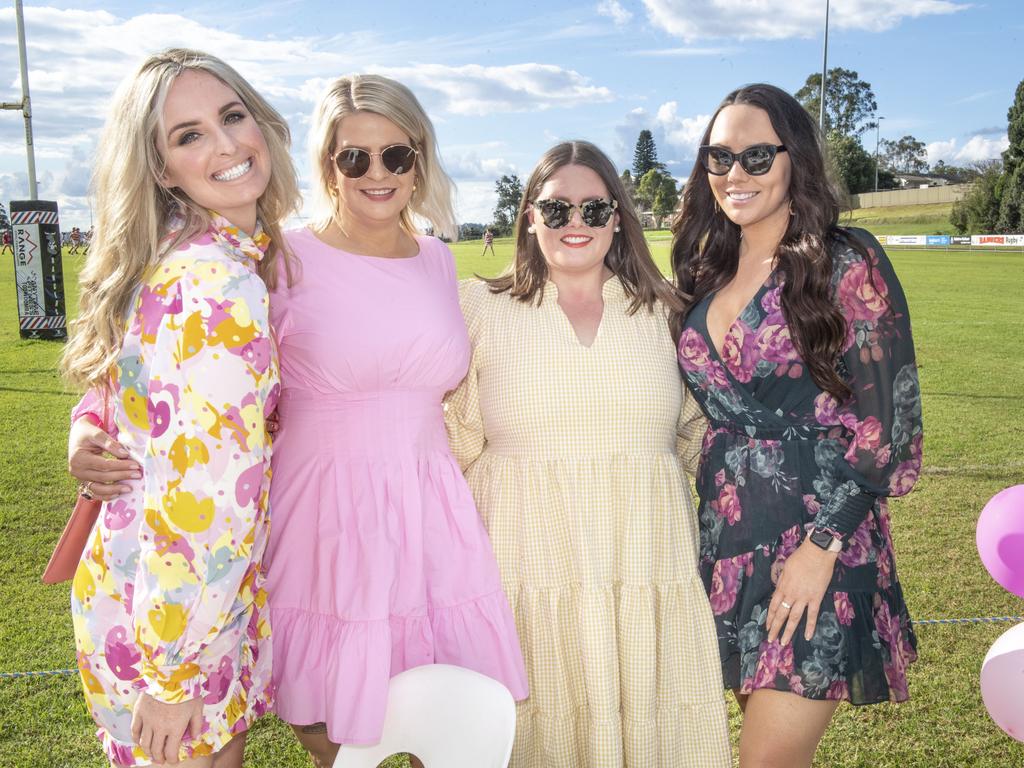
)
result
[(826, 539)]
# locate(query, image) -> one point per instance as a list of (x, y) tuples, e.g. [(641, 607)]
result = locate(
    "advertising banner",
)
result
[(38, 269), (988, 240), (938, 239), (960, 240), (907, 240)]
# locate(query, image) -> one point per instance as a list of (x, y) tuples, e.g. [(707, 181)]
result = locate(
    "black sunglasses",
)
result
[(557, 213), (756, 160), (354, 162)]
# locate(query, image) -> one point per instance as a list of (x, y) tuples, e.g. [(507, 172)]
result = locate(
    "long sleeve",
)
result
[(883, 416), (204, 468), (462, 416), (690, 432), (93, 408)]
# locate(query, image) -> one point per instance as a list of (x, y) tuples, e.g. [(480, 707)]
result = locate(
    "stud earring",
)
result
[(531, 229), (617, 228)]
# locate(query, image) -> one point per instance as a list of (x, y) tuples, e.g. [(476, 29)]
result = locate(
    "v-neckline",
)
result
[(567, 323), (758, 294)]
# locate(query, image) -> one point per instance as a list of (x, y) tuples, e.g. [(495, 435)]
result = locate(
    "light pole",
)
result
[(824, 75), (878, 123), (25, 105)]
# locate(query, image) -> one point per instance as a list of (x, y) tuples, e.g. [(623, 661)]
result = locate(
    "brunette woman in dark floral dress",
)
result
[(797, 343)]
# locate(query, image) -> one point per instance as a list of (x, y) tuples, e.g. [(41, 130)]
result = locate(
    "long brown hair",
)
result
[(706, 244), (629, 257)]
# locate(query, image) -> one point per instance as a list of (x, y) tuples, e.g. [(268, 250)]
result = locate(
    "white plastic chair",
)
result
[(449, 717)]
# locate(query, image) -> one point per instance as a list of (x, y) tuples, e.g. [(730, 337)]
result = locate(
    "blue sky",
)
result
[(505, 80)]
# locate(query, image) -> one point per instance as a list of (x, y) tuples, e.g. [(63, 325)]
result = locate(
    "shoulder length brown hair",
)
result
[(706, 244), (629, 257)]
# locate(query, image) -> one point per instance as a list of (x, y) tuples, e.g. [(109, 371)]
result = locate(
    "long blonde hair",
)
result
[(432, 198), (134, 211)]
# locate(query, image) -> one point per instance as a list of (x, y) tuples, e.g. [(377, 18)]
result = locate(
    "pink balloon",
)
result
[(1001, 538), (1002, 682)]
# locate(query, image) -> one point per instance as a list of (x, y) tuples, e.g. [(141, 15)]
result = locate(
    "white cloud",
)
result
[(473, 89), (469, 166), (682, 132), (744, 19), (77, 58), (613, 10), (975, 149), (475, 201), (675, 136)]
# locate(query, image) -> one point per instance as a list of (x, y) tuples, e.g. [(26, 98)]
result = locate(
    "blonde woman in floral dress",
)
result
[(574, 431), (172, 639)]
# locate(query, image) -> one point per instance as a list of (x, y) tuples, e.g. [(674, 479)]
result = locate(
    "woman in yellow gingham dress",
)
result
[(573, 429)]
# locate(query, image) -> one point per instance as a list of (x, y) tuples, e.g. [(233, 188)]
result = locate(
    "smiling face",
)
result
[(213, 149), (380, 196), (750, 201), (575, 247)]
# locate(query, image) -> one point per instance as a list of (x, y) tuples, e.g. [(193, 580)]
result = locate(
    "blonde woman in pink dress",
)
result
[(379, 560)]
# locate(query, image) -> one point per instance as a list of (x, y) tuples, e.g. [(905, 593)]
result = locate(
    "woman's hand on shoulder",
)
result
[(89, 462), (805, 576), (158, 727)]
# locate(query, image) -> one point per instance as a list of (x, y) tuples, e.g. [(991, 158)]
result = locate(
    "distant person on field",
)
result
[(488, 242), (6, 246), (76, 240)]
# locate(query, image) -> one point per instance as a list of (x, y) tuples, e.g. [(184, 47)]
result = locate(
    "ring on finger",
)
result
[(85, 490), (785, 605)]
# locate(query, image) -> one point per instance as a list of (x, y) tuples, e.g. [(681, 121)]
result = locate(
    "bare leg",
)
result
[(313, 739), (781, 729), (231, 756)]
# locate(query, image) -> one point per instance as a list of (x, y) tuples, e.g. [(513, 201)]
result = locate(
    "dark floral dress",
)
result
[(780, 456)]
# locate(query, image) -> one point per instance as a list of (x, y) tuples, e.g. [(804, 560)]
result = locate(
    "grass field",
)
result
[(929, 219), (969, 330)]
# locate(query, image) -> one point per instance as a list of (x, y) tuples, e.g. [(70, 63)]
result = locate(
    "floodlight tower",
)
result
[(25, 105), (824, 75)]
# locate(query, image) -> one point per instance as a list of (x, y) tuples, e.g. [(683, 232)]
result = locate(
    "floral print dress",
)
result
[(781, 455), (168, 599)]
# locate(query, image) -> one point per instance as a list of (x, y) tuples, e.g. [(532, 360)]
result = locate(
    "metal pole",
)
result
[(26, 104), (824, 74), (878, 123)]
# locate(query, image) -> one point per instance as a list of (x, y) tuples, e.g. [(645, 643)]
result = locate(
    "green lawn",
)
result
[(970, 336), (928, 219)]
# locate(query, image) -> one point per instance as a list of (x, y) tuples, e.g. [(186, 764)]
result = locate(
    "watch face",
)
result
[(822, 539)]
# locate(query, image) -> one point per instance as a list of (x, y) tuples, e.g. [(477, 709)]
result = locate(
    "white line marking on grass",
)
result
[(1011, 466)]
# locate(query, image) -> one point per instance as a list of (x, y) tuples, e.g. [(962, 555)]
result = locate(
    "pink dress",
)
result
[(378, 560)]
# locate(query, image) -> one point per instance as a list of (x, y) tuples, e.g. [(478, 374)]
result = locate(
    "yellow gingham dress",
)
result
[(575, 456)]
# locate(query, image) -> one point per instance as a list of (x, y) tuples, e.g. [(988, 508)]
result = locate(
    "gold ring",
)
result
[(785, 605), (85, 490)]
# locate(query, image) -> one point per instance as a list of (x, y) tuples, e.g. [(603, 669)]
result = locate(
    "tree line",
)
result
[(993, 204)]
